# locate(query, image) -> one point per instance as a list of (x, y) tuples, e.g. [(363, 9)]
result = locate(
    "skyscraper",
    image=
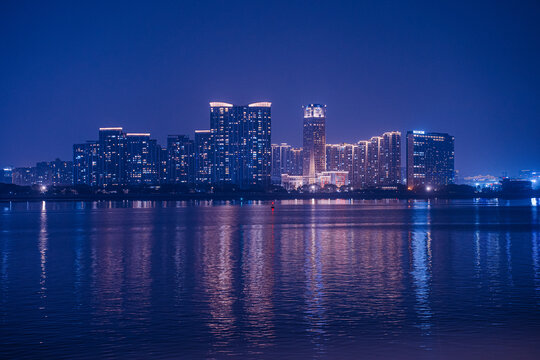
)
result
[(163, 163), (241, 144), (203, 148), (256, 137), (430, 159), (360, 168), (373, 178), (225, 133), (314, 139), (141, 159), (181, 159), (112, 152), (390, 159)]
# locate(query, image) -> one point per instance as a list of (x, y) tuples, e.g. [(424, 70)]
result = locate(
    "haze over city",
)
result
[(466, 69)]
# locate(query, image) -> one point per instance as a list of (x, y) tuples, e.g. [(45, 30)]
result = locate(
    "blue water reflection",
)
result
[(234, 279)]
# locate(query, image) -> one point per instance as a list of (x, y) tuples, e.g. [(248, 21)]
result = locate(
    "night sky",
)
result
[(471, 69)]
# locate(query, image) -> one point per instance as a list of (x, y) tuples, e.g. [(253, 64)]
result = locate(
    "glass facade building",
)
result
[(141, 159), (285, 160), (241, 144), (85, 163), (314, 140), (112, 154), (203, 164), (181, 159), (430, 159)]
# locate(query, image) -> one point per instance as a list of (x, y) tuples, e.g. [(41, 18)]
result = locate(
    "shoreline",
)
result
[(256, 197)]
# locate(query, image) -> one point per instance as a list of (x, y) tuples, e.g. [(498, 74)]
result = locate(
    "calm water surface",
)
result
[(313, 279)]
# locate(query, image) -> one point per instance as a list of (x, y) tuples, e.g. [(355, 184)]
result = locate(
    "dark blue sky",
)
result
[(469, 68)]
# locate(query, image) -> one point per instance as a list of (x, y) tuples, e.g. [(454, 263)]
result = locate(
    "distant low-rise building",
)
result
[(6, 175)]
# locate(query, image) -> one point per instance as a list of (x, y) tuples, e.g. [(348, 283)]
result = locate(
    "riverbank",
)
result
[(255, 196)]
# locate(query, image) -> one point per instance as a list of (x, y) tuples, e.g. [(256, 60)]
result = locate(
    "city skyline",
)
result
[(299, 144), (466, 69), (237, 150), (191, 136)]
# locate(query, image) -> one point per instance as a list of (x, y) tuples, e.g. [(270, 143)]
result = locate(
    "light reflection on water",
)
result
[(314, 279)]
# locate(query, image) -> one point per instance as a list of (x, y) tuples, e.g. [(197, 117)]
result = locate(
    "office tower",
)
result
[(390, 159), (141, 159), (6, 175), (112, 154), (85, 163), (430, 159), (314, 139), (203, 164), (241, 144), (181, 159)]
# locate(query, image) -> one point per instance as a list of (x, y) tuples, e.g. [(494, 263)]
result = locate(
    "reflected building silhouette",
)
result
[(420, 253), (258, 281), (315, 290), (137, 260), (217, 266), (535, 249), (108, 272), (509, 258), (43, 248)]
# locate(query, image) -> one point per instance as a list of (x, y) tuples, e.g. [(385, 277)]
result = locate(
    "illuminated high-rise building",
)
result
[(360, 168), (314, 140), (241, 144), (203, 164), (281, 161), (390, 159), (181, 159), (296, 162), (61, 172), (163, 163), (342, 157), (112, 155), (85, 163), (141, 159), (373, 178), (43, 174), (286, 160), (430, 159)]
